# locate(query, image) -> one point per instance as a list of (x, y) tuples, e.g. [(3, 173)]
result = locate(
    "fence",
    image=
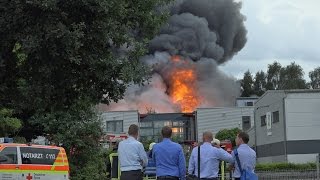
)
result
[(282, 175), (288, 175)]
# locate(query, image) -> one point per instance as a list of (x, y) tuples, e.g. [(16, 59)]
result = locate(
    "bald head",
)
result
[(207, 136)]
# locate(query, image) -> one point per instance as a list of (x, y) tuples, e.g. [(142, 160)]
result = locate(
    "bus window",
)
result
[(10, 154), (31, 155)]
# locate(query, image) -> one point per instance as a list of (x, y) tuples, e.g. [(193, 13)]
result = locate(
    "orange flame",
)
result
[(182, 87)]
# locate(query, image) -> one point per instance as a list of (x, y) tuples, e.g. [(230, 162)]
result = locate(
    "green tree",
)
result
[(247, 84), (260, 83), (291, 77), (78, 130), (54, 53), (315, 78), (9, 125), (273, 76), (60, 58), (228, 134)]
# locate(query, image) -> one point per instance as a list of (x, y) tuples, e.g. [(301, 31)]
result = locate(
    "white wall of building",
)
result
[(243, 102), (271, 159), (302, 112), (216, 119), (127, 117), (302, 158), (295, 137)]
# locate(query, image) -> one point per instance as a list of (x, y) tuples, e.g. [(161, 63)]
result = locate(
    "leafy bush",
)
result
[(284, 166), (228, 134)]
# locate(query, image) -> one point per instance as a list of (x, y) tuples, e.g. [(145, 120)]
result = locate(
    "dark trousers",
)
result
[(236, 178), (131, 175), (167, 178)]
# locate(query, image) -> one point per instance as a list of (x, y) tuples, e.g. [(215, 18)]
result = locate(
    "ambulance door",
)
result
[(9, 168), (39, 163)]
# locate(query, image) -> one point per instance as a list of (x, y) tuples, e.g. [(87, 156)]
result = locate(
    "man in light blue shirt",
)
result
[(132, 156), (169, 158), (247, 155), (209, 159)]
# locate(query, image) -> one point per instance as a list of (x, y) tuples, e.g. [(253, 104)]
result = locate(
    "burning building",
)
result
[(185, 56)]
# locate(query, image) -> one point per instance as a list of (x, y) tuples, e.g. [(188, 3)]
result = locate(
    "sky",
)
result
[(278, 30)]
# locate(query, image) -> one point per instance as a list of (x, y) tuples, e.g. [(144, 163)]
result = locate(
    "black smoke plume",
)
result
[(205, 33)]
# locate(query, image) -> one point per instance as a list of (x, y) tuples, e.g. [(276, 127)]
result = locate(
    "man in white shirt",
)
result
[(209, 159), (247, 155), (132, 156)]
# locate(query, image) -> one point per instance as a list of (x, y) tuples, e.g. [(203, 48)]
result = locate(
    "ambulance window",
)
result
[(31, 155), (10, 153)]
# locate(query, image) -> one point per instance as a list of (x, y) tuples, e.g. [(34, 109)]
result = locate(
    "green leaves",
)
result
[(247, 84), (284, 166), (9, 125), (78, 130), (72, 49), (315, 78), (277, 78), (58, 59), (228, 134)]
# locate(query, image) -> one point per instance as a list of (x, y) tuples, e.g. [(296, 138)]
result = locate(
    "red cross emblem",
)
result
[(29, 177)]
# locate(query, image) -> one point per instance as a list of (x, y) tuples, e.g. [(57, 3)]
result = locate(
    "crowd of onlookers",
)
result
[(166, 161)]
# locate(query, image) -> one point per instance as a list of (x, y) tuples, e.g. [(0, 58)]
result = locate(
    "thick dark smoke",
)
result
[(203, 28), (205, 33)]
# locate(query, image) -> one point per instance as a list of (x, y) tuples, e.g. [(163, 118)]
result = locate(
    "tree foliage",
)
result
[(60, 58), (291, 77), (228, 134), (9, 125), (78, 130), (247, 84), (315, 78), (260, 83), (55, 52), (278, 78), (273, 76)]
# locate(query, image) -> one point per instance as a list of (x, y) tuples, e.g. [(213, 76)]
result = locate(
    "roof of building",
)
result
[(228, 107), (288, 91), (166, 117), (247, 98)]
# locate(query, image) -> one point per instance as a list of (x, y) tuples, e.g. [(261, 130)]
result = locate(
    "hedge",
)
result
[(284, 166)]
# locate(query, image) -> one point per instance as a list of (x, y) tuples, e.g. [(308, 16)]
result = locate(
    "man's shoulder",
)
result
[(167, 144), (177, 145), (130, 141), (246, 149), (134, 141), (252, 151)]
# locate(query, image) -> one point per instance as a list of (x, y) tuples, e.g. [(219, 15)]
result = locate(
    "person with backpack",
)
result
[(244, 159)]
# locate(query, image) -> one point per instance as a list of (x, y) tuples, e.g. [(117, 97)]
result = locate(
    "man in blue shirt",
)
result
[(132, 156), (169, 158), (209, 159), (247, 156)]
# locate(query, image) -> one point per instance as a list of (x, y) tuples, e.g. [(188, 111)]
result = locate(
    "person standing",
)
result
[(247, 155), (132, 156), (209, 159), (169, 158), (150, 170)]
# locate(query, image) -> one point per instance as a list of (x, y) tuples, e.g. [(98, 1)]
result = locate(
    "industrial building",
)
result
[(216, 119), (185, 126), (287, 124)]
